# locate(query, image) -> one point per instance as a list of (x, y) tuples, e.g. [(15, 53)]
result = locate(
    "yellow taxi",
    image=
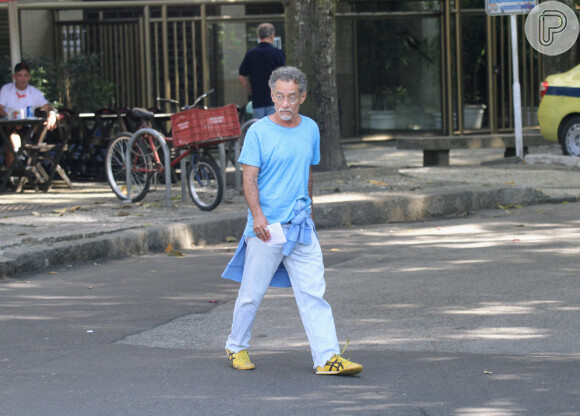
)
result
[(559, 110)]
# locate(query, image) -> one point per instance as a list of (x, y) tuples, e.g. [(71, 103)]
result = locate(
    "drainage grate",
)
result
[(19, 207)]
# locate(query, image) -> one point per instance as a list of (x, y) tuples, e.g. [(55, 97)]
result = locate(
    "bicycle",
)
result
[(204, 179)]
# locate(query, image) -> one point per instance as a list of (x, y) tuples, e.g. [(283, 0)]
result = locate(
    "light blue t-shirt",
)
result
[(284, 156)]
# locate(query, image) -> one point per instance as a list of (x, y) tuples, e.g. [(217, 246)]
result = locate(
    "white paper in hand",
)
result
[(276, 234)]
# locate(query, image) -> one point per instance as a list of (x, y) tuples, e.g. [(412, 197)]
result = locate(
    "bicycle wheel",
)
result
[(115, 166), (205, 184)]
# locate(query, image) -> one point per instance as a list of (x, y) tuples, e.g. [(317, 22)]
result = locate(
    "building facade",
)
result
[(404, 66)]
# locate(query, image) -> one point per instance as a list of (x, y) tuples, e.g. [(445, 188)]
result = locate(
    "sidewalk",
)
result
[(383, 184)]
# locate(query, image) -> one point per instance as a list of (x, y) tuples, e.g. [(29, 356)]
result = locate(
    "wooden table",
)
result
[(26, 130), (33, 152)]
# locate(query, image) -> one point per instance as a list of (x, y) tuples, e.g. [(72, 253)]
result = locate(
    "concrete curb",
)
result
[(553, 160), (120, 244), (395, 207)]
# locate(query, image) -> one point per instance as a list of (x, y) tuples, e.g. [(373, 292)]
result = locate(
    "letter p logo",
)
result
[(552, 28), (551, 22)]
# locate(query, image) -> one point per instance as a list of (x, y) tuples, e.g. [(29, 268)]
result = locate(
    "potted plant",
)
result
[(473, 112), (385, 102)]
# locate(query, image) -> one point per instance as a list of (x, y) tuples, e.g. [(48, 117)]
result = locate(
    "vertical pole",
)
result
[(194, 62), (185, 66), (55, 30), (156, 64), (141, 94), (164, 35), (492, 90), (176, 95), (183, 166), (502, 74), (204, 51), (147, 47), (459, 66), (223, 162), (448, 125), (516, 89), (14, 28), (357, 109)]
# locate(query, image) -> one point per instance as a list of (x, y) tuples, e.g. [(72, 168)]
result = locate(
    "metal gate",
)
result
[(496, 93), (172, 57), (120, 47)]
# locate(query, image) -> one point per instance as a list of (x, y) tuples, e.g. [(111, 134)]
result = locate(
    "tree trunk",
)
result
[(311, 46)]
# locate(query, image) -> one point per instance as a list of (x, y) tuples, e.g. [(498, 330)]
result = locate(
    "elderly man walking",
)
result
[(277, 157)]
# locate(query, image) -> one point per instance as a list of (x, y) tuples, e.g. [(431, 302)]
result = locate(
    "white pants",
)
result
[(306, 271)]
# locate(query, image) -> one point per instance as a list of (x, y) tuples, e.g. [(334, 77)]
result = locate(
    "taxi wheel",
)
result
[(570, 136)]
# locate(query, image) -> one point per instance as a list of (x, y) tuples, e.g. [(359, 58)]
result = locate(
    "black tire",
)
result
[(204, 182), (115, 164), (570, 136)]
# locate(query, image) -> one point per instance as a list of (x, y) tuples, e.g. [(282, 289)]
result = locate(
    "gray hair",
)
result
[(289, 73), (265, 30)]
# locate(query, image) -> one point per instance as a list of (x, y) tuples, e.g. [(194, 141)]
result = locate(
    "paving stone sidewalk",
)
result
[(40, 230)]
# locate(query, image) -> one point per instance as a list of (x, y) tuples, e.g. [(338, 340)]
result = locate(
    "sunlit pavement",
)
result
[(383, 185), (476, 315)]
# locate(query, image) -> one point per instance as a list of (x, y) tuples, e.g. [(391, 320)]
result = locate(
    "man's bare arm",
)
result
[(51, 119), (310, 188), (246, 83), (252, 195)]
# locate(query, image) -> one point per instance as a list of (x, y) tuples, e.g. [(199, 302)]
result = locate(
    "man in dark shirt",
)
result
[(257, 67)]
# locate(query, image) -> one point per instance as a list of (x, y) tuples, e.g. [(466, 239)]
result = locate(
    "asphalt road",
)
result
[(464, 317)]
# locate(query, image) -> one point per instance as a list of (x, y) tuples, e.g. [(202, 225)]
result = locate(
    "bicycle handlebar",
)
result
[(167, 100), (185, 107), (198, 99)]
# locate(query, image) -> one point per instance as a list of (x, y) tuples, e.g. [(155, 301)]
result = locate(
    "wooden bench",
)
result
[(436, 149)]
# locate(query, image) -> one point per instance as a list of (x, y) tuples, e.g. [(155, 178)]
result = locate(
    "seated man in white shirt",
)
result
[(19, 95)]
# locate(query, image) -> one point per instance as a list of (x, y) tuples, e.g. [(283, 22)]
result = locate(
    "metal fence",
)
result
[(120, 46)]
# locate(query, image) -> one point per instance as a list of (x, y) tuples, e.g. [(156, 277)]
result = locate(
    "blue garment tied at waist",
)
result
[(300, 231)]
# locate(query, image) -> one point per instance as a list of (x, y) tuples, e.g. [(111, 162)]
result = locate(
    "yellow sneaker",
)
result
[(338, 365), (240, 360)]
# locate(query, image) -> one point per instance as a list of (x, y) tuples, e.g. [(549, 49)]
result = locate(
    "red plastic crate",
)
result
[(198, 126)]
